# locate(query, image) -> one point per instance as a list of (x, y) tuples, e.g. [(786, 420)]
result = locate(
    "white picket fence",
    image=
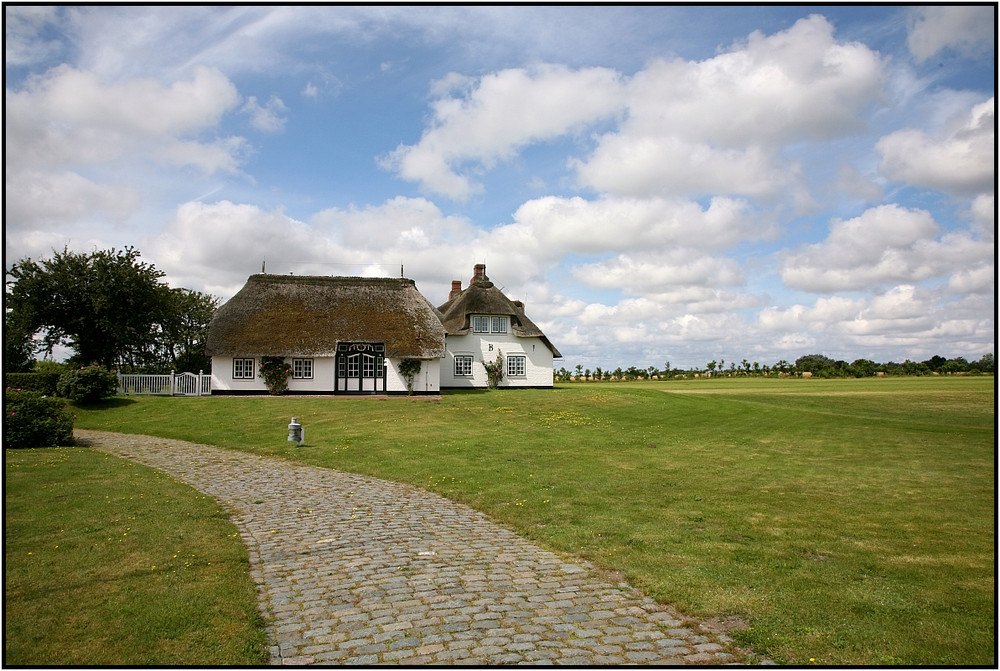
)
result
[(171, 384)]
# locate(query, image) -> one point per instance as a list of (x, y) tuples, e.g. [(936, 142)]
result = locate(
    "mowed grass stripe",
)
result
[(110, 563), (846, 521)]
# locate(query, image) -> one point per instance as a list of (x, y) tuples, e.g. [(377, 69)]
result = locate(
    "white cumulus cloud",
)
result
[(962, 28), (486, 120), (959, 158), (717, 126), (885, 244)]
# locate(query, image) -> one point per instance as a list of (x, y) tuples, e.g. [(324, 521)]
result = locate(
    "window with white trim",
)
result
[(480, 324), (463, 365), (302, 369), (243, 369), (488, 324), (516, 365)]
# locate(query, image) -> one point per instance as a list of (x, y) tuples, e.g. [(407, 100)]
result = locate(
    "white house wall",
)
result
[(428, 380), (483, 346), (222, 376)]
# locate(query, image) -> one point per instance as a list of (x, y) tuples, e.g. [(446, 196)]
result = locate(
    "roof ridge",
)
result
[(342, 279)]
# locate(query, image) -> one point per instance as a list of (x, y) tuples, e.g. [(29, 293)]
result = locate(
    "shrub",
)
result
[(34, 420), (43, 383), (275, 372), (88, 384), (494, 371)]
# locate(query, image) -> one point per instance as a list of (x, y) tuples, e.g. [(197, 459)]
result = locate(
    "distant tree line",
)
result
[(816, 365), (110, 308)]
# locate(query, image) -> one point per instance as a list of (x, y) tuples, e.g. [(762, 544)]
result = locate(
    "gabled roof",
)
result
[(482, 297), (286, 315)]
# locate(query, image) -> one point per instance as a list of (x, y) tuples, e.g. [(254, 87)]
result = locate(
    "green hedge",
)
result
[(43, 383), (34, 420), (88, 384)]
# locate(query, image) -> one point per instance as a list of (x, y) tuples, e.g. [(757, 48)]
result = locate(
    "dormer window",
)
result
[(489, 324)]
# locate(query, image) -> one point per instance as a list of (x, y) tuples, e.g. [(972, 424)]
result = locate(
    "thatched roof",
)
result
[(482, 297), (285, 315)]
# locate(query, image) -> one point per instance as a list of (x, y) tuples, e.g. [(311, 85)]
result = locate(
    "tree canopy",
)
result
[(110, 307)]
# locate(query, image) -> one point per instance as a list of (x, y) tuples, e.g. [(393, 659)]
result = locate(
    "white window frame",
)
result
[(463, 365), (480, 324), (243, 368), (302, 369), (517, 365), (489, 324)]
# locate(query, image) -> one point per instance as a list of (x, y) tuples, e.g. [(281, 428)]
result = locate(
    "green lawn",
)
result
[(110, 563), (846, 521)]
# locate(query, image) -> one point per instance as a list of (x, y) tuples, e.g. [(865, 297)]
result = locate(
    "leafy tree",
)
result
[(586, 375), (186, 330), (890, 368), (619, 373), (913, 368), (956, 365), (105, 305), (711, 366), (18, 346), (863, 368), (935, 362), (986, 364), (812, 363), (598, 373)]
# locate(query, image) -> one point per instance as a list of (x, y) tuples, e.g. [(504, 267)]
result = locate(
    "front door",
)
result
[(360, 368)]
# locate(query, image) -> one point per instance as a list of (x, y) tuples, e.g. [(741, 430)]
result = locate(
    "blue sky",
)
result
[(679, 184)]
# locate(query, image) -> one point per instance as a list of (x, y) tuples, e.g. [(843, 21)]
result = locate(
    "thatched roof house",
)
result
[(275, 315), (482, 297), (355, 335)]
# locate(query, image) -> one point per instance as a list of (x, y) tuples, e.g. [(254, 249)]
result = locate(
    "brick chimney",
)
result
[(479, 272), (456, 288)]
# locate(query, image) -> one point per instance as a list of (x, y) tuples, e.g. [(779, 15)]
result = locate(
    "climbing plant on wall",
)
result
[(494, 371), (275, 372), (408, 368)]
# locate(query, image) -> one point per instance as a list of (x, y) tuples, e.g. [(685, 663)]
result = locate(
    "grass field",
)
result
[(845, 521), (109, 563)]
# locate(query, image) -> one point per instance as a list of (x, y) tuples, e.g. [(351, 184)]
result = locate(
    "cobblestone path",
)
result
[(354, 570)]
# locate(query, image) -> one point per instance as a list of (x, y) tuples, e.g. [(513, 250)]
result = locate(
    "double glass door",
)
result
[(360, 368)]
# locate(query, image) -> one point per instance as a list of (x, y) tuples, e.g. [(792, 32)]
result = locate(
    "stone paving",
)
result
[(354, 570)]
